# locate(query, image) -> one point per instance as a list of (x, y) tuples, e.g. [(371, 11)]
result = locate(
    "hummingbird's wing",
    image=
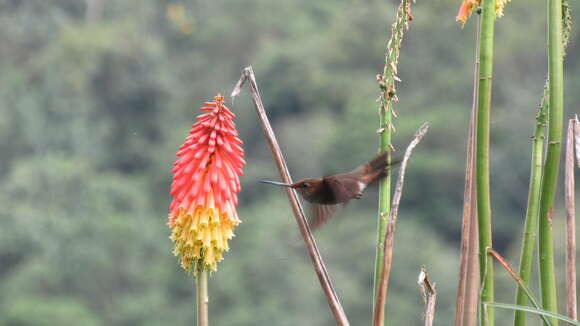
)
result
[(320, 214)]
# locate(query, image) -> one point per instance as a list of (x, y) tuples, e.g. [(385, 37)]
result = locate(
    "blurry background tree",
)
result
[(96, 96)]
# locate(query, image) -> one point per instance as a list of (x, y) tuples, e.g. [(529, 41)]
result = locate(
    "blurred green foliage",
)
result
[(96, 96)]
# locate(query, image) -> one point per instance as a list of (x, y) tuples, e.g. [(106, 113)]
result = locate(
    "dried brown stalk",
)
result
[(471, 305), (577, 140), (505, 264), (466, 301), (392, 221), (320, 269), (570, 222), (429, 294), (519, 280)]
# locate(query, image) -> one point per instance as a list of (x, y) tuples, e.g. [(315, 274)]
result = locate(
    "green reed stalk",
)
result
[(531, 223), (388, 96), (482, 155), (550, 178)]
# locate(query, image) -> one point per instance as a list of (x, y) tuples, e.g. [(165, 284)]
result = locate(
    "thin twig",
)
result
[(429, 294), (333, 301), (392, 220), (570, 222), (467, 256)]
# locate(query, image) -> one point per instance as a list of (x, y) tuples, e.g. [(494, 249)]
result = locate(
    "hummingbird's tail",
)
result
[(377, 168), (379, 162)]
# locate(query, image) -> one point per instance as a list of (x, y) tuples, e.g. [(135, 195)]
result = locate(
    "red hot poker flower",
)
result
[(467, 7), (205, 186)]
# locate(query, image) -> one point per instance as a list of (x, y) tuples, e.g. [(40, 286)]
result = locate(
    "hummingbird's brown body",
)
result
[(325, 193)]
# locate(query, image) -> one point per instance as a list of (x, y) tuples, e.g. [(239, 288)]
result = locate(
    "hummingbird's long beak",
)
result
[(277, 183)]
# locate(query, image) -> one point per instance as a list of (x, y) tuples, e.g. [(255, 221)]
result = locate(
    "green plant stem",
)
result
[(384, 200), (531, 222), (550, 177), (387, 84), (482, 155), (202, 298)]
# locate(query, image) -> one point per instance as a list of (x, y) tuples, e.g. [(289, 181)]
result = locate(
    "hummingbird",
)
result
[(326, 193)]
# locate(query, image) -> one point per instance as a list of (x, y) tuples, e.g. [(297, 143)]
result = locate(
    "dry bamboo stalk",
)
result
[(305, 231), (471, 305), (465, 305), (577, 140), (570, 223)]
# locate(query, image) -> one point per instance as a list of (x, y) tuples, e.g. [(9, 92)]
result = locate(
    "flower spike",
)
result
[(205, 185)]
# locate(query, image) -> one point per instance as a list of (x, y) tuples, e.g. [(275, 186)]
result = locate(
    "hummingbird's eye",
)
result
[(305, 185)]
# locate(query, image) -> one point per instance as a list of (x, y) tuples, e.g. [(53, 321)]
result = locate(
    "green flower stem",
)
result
[(550, 178), (482, 155), (531, 223), (202, 298), (384, 199), (388, 96)]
